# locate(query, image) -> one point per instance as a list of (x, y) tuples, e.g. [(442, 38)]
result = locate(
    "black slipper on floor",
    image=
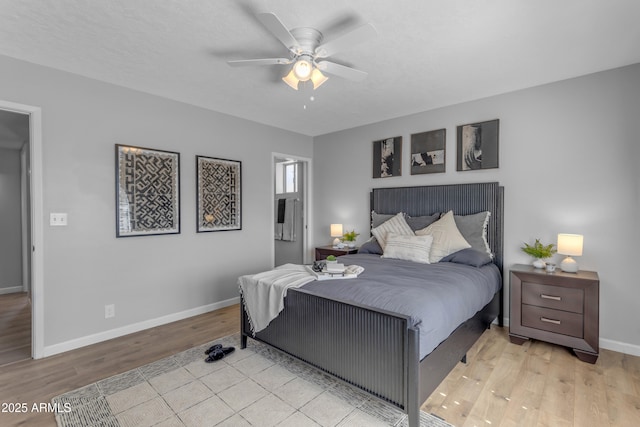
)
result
[(219, 353), (213, 347)]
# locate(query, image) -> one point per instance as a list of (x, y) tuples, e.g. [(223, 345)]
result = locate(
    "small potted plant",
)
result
[(350, 238), (331, 259), (539, 251)]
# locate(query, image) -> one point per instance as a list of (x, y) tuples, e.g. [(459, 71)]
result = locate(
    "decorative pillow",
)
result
[(371, 246), (420, 222), (378, 219), (474, 230), (446, 237), (409, 248), (397, 224), (469, 256)]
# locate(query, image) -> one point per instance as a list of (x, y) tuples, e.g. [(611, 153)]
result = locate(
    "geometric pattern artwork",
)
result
[(147, 191), (219, 194)]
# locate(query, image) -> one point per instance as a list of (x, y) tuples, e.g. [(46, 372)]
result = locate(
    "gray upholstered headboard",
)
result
[(462, 199)]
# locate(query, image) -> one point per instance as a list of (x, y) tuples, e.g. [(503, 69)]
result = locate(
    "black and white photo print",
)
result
[(478, 146), (387, 155), (428, 152)]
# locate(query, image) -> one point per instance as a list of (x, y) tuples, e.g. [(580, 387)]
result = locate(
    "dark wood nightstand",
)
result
[(560, 308), (322, 252)]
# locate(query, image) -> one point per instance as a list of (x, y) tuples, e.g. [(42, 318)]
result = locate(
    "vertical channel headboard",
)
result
[(462, 199)]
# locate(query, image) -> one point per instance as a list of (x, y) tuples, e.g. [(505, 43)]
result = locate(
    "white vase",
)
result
[(538, 263), (351, 244)]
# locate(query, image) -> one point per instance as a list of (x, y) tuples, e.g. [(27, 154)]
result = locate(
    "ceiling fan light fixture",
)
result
[(317, 78), (303, 69), (291, 80)]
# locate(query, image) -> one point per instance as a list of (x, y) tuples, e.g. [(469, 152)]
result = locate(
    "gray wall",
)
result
[(569, 163), (10, 221), (149, 277)]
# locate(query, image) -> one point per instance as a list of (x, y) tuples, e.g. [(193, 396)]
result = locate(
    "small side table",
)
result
[(322, 252), (560, 308)]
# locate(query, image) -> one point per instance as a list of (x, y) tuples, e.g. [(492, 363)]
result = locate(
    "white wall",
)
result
[(149, 277), (568, 161), (10, 220)]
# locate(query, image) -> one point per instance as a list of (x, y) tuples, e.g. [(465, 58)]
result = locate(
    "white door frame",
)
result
[(37, 223), (306, 203)]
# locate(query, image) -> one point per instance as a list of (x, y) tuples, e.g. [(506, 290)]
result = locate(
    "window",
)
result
[(286, 178)]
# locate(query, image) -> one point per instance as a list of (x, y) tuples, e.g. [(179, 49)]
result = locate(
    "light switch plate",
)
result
[(57, 219)]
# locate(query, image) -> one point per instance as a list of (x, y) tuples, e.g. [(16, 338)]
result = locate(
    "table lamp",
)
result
[(336, 231), (569, 245)]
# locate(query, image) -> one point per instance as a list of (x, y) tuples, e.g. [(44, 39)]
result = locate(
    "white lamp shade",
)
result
[(336, 230), (570, 244), (291, 80), (317, 78)]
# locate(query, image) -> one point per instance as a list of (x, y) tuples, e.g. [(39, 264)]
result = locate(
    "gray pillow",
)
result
[(377, 219), (371, 246), (468, 256), (474, 230), (420, 222)]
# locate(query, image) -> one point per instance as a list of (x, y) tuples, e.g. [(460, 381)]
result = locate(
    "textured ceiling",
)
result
[(427, 54)]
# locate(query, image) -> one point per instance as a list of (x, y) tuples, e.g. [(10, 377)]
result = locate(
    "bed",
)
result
[(379, 349)]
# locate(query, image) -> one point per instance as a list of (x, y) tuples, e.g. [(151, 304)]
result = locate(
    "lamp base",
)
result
[(569, 265)]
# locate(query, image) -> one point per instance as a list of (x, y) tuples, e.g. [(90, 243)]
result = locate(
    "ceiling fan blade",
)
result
[(277, 28), (342, 71), (358, 35), (265, 61)]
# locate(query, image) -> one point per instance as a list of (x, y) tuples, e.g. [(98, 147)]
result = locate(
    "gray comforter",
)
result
[(438, 297)]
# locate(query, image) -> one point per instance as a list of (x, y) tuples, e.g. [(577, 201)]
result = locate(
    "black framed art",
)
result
[(478, 146), (387, 157), (428, 151), (147, 191), (219, 204)]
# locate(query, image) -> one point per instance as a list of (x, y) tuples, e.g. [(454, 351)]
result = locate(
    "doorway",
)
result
[(291, 208), (21, 281), (15, 229)]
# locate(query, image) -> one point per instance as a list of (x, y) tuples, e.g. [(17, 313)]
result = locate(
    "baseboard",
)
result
[(620, 347), (136, 327), (11, 290)]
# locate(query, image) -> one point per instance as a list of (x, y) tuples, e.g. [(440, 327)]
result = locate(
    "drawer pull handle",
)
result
[(543, 296), (555, 322)]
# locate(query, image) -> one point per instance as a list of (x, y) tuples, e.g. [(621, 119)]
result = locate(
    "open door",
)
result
[(290, 209)]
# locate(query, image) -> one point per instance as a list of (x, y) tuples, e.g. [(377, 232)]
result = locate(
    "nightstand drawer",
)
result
[(559, 298), (557, 321)]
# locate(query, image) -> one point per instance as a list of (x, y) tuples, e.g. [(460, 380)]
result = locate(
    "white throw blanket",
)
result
[(264, 293)]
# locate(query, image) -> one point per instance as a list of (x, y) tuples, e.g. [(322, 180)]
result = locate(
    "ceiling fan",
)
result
[(307, 53)]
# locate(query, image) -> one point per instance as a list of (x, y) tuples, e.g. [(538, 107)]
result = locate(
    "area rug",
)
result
[(257, 386)]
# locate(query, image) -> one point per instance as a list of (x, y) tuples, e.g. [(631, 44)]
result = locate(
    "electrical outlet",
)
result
[(58, 219), (109, 311)]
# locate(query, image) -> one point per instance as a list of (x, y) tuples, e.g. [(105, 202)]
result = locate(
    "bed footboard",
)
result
[(367, 348)]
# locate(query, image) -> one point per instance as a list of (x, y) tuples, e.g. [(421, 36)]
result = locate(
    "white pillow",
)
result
[(409, 248), (397, 225), (446, 237)]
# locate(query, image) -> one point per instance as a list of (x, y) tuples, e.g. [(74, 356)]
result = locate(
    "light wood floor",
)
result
[(15, 328), (536, 384)]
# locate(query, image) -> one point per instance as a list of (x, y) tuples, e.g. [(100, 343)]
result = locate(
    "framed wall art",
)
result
[(147, 191), (428, 152), (478, 146), (387, 157), (219, 194)]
